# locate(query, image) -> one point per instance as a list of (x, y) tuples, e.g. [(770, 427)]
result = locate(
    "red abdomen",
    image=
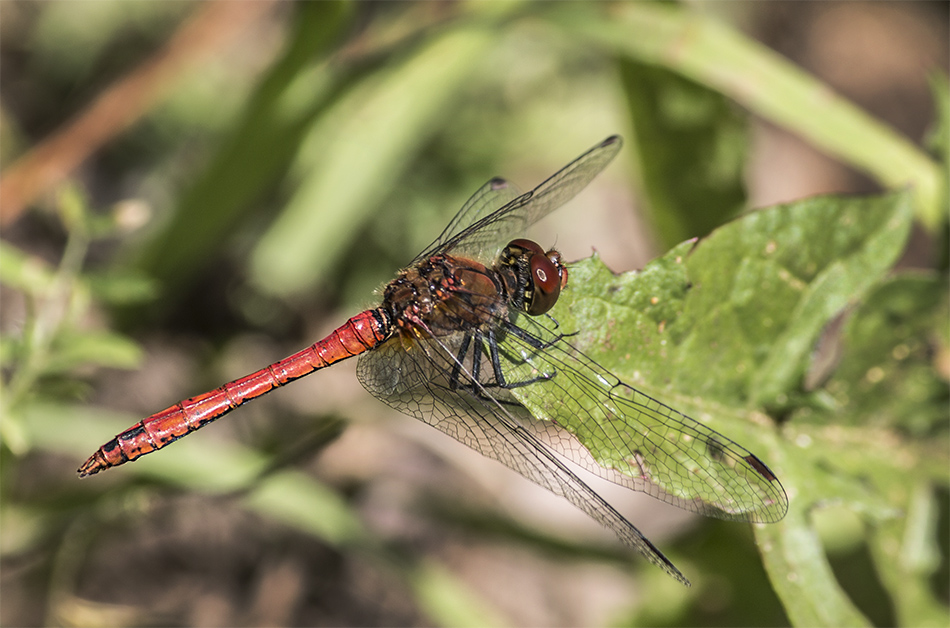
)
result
[(360, 333)]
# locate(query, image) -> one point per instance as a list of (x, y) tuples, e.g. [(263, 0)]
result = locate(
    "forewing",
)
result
[(484, 239), (415, 379), (629, 438), (495, 194)]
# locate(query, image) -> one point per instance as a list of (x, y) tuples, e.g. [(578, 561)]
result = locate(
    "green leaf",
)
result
[(447, 603), (122, 286), (358, 152), (808, 261), (253, 156), (74, 348), (691, 151), (708, 327), (713, 54), (23, 272), (907, 554), (938, 139), (753, 297), (653, 447), (886, 376), (795, 560)]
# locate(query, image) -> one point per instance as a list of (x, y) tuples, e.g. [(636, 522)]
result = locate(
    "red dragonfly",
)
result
[(462, 339)]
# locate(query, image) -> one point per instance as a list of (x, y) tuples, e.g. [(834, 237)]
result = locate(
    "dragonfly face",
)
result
[(540, 276)]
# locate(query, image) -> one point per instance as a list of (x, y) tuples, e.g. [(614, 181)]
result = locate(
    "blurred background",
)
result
[(210, 187)]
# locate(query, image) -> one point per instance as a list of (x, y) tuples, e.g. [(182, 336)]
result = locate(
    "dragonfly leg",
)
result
[(554, 320), (473, 341), (476, 357), (459, 359), (534, 341), (556, 324), (500, 380)]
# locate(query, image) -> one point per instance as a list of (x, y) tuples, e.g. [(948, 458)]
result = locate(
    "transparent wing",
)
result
[(415, 380), (495, 194), (556, 401), (627, 437), (575, 407), (483, 239)]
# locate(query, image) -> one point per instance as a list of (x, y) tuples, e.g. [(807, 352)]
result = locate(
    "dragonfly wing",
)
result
[(496, 193), (629, 438), (415, 380), (484, 238)]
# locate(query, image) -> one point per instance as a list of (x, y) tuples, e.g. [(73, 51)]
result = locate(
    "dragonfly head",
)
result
[(540, 276)]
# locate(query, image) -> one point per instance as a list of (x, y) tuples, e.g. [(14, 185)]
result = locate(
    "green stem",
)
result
[(758, 78), (51, 309)]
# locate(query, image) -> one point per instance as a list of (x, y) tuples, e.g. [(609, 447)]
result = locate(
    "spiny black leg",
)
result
[(476, 356), (495, 360), (457, 367), (478, 388), (556, 325), (496, 365), (473, 342), (536, 343)]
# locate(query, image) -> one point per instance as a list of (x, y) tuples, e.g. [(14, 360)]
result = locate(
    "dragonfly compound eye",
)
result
[(541, 274), (522, 246), (545, 284)]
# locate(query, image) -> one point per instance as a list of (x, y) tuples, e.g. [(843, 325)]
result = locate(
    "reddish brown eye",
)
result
[(546, 278), (528, 246), (546, 285), (541, 275)]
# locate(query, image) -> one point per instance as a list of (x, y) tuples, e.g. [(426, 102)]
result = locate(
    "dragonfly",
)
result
[(463, 340)]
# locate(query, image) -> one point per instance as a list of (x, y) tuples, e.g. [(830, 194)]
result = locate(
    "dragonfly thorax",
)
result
[(445, 294)]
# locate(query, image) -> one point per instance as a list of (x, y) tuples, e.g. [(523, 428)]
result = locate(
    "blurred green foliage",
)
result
[(288, 194)]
